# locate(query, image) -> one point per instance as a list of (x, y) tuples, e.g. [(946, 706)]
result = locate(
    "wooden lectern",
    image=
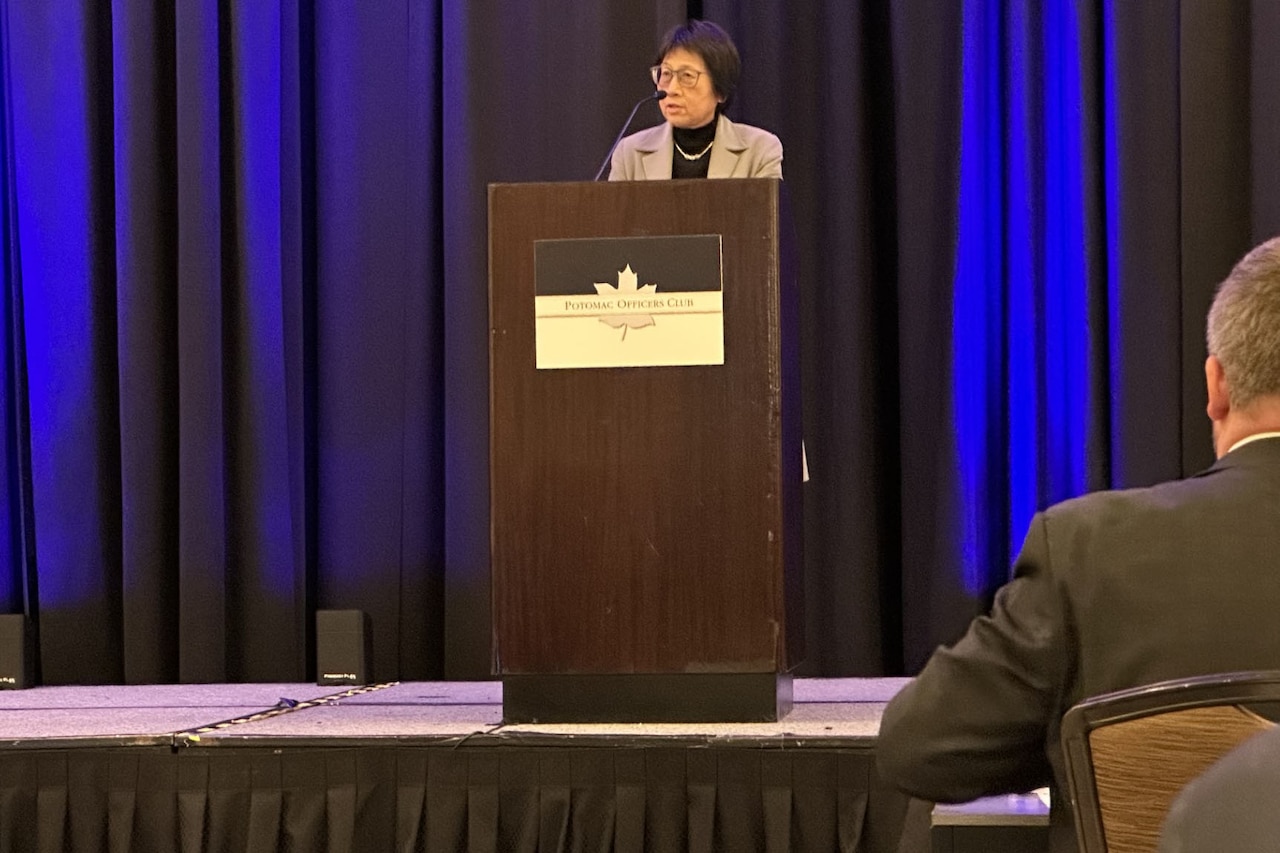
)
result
[(646, 522)]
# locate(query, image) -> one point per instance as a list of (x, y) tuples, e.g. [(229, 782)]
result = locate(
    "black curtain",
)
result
[(244, 272), (896, 119)]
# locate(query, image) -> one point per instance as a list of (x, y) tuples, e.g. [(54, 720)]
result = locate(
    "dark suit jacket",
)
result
[(1232, 806), (1112, 590), (740, 151)]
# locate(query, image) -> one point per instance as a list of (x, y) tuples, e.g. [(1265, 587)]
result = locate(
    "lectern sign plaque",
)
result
[(629, 302)]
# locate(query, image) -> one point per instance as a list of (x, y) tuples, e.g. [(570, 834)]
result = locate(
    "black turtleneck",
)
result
[(693, 141)]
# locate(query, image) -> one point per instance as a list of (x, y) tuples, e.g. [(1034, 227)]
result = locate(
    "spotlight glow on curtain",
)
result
[(15, 576), (1025, 345), (977, 341), (58, 178)]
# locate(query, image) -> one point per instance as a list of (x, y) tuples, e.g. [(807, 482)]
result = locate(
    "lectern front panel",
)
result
[(640, 522)]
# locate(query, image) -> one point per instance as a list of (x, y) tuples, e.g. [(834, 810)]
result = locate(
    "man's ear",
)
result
[(1216, 382)]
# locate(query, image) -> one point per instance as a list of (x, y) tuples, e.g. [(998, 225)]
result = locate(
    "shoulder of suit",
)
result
[(648, 139), (1122, 506), (748, 134), (1169, 492)]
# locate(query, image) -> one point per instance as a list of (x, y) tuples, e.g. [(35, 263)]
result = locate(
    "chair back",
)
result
[(1129, 753)]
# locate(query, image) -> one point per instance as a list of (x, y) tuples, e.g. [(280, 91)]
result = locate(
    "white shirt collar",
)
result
[(1257, 436)]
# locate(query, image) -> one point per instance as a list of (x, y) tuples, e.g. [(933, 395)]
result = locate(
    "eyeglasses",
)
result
[(686, 77)]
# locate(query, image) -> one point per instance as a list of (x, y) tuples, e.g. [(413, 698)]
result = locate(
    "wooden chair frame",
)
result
[(1129, 753)]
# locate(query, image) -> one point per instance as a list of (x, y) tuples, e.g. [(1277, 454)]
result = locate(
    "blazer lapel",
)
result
[(727, 150), (656, 155), (658, 147)]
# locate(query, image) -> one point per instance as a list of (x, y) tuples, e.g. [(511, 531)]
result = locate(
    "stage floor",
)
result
[(827, 711)]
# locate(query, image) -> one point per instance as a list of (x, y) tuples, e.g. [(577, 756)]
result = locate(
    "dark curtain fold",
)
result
[(239, 523), (379, 328), (143, 139), (245, 325)]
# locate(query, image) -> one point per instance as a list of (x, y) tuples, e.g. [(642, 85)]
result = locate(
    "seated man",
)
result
[(1232, 806), (1117, 589)]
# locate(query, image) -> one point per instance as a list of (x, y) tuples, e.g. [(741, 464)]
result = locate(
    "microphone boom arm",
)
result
[(658, 95)]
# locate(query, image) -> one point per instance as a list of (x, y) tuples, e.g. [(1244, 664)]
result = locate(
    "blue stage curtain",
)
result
[(1017, 211), (17, 571), (244, 274), (226, 225), (245, 333)]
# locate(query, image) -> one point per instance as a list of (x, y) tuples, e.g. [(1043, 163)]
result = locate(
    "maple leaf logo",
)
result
[(626, 287)]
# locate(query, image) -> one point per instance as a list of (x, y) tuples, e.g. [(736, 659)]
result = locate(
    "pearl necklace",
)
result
[(686, 155)]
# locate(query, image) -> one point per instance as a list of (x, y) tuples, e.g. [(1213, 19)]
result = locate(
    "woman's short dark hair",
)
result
[(713, 46)]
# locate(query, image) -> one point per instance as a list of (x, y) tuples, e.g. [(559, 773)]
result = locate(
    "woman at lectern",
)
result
[(698, 67)]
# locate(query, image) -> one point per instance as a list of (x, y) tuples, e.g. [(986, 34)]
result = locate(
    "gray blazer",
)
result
[(740, 151), (1112, 590)]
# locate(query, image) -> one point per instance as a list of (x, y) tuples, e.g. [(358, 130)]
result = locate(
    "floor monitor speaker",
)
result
[(343, 647)]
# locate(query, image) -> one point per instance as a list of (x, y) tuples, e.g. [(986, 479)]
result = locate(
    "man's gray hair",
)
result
[(1244, 326)]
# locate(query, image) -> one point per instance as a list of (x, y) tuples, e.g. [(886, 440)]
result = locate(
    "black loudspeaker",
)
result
[(17, 669), (344, 647)]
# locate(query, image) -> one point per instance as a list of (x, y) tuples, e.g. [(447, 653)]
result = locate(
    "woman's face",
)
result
[(688, 106)]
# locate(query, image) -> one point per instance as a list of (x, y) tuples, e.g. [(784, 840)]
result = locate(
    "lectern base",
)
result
[(719, 697)]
